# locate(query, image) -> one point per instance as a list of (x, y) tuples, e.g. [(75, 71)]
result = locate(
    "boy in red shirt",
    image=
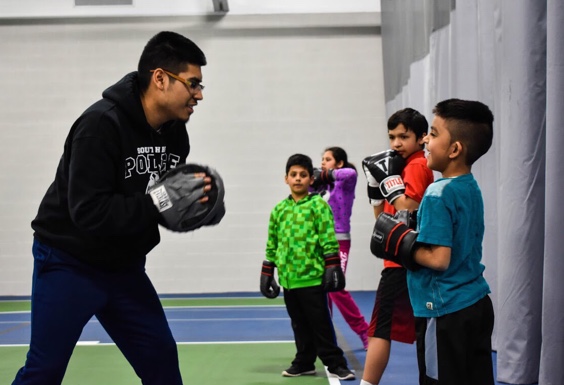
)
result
[(397, 179)]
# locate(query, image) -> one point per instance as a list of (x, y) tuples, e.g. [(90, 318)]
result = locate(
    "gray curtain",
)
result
[(522, 186), (509, 55), (552, 322)]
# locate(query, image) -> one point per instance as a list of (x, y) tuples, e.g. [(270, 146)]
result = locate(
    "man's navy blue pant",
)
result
[(66, 293)]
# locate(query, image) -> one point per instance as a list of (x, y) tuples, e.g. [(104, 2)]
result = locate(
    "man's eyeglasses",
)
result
[(193, 85)]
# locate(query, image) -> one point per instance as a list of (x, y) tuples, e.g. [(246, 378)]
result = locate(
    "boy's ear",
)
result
[(456, 151), (421, 140)]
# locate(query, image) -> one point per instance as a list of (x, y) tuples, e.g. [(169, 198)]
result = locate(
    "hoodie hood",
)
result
[(127, 96)]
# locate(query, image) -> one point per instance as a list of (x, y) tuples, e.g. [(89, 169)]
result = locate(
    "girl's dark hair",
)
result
[(300, 160), (341, 155)]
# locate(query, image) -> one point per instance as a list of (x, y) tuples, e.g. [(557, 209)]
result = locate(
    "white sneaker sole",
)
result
[(307, 373), (350, 376)]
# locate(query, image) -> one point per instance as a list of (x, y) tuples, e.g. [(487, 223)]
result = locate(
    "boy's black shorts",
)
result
[(457, 346)]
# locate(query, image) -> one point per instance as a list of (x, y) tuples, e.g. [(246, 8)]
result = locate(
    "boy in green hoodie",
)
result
[(302, 244)]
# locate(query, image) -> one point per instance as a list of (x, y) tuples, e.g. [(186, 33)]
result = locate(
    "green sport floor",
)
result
[(232, 340), (234, 364)]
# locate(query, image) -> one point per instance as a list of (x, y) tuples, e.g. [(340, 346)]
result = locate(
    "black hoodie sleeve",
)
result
[(100, 201)]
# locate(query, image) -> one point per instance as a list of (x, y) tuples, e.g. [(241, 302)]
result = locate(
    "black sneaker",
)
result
[(296, 371), (342, 373)]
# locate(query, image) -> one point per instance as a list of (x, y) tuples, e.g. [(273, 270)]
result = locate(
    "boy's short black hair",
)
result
[(469, 122), (412, 120), (300, 160)]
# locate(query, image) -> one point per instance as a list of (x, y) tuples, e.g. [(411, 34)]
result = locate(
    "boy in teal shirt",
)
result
[(448, 292), (303, 245)]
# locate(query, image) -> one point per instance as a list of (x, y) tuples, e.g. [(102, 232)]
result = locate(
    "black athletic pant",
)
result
[(66, 293), (313, 328)]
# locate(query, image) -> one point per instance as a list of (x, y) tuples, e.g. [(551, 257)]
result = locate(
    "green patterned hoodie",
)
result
[(299, 235)]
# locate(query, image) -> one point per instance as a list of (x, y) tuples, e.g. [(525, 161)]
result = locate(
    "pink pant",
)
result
[(343, 299)]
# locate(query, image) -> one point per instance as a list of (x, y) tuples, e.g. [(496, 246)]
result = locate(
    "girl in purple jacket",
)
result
[(336, 182)]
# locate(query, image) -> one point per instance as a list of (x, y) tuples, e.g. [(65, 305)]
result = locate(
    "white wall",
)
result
[(270, 92), (67, 8)]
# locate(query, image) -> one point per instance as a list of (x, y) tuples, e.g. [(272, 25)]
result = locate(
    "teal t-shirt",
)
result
[(299, 235), (451, 214)]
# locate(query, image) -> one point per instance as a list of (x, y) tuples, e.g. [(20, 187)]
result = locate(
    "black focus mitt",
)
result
[(177, 195)]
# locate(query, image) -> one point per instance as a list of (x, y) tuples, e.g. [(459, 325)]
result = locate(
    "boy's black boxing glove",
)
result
[(333, 278), (383, 170), (393, 240), (407, 217), (268, 286), (375, 196)]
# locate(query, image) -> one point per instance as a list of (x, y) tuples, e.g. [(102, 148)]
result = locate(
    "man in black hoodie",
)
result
[(96, 223)]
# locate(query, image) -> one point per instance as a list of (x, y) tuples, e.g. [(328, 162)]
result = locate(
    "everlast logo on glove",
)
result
[(376, 243), (161, 198), (377, 236)]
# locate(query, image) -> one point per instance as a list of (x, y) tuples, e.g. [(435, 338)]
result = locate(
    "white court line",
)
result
[(203, 298), (179, 320), (235, 342), (183, 308), (237, 307), (97, 343), (15, 312), (333, 380), (226, 319), (207, 298)]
